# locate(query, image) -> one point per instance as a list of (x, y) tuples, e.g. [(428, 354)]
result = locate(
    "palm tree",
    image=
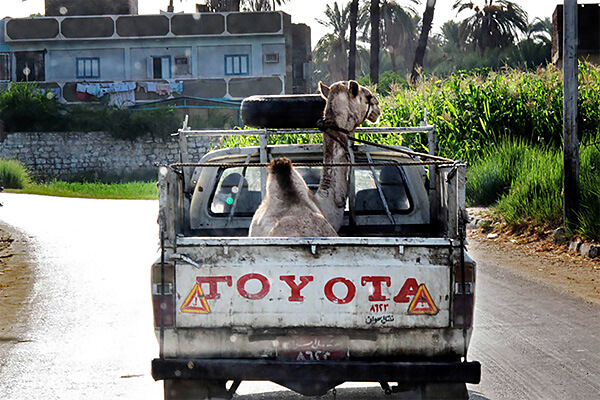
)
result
[(535, 49), (495, 24), (352, 44), (540, 30), (397, 27), (422, 46), (331, 49), (374, 20), (452, 38)]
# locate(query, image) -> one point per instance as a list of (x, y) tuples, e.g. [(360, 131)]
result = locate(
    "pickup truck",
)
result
[(390, 300)]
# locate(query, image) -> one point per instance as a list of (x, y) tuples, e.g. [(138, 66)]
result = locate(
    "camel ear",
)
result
[(324, 89), (354, 88)]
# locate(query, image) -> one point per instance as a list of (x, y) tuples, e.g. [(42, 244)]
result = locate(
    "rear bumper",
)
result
[(266, 344), (333, 371)]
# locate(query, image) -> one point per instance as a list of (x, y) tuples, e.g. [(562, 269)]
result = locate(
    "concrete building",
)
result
[(153, 57), (588, 31)]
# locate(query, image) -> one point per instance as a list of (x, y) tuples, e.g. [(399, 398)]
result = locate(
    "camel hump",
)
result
[(282, 169), (281, 166)]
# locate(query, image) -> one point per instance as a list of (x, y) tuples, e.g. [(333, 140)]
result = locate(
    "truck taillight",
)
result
[(464, 294), (163, 292)]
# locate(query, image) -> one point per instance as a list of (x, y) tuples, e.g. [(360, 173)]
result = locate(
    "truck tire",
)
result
[(188, 389), (289, 111)]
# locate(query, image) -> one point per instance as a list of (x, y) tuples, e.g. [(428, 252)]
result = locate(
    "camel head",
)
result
[(348, 105)]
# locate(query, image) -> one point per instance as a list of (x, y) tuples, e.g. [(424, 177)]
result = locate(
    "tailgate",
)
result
[(363, 283)]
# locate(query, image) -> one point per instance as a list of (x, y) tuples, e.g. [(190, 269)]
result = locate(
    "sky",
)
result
[(302, 11)]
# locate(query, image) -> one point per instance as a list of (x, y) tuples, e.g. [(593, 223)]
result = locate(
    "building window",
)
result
[(88, 68), (161, 67), (182, 66), (271, 58), (4, 67), (30, 66), (237, 64)]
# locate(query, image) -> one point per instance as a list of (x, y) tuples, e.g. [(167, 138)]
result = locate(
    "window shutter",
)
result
[(149, 67)]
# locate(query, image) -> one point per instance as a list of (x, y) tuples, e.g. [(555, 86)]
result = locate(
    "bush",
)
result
[(27, 108), (13, 175), (125, 124), (24, 107)]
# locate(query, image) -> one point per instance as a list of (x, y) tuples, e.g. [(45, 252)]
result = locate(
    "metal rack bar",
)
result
[(250, 132)]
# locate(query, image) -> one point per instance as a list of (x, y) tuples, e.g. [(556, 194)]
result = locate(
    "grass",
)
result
[(15, 178), (535, 192), (523, 182), (95, 190)]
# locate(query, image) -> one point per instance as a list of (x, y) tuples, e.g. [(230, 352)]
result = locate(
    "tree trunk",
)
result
[(374, 42), (352, 55), (422, 45)]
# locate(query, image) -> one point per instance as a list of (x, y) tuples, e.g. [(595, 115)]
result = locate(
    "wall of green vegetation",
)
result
[(508, 126), (473, 110)]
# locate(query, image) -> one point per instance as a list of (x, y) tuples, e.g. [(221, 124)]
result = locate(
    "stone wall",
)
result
[(69, 155)]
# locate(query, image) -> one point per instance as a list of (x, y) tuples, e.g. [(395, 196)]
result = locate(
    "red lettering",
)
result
[(376, 281), (241, 286), (296, 288), (213, 292), (333, 298), (409, 289)]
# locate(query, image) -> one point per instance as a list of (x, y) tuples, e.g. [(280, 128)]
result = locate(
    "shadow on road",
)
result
[(365, 393), (477, 396)]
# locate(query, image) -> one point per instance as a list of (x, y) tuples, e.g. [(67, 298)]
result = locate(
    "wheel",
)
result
[(293, 111), (188, 389)]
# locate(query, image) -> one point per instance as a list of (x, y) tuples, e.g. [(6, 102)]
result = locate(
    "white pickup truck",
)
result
[(390, 300)]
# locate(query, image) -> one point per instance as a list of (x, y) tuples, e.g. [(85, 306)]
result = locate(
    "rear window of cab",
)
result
[(238, 188)]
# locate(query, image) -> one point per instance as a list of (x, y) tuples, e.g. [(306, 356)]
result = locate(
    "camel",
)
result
[(289, 209)]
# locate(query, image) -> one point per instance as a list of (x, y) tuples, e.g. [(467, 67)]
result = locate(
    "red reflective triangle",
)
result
[(195, 302), (422, 303)]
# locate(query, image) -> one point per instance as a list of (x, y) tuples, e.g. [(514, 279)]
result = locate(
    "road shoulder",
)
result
[(16, 281), (568, 272)]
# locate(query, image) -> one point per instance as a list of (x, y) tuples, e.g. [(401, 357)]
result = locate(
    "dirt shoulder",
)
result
[(16, 280), (535, 257)]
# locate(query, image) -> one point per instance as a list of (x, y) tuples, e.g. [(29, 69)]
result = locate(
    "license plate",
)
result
[(313, 348)]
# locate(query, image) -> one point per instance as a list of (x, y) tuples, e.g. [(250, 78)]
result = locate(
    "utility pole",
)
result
[(570, 138)]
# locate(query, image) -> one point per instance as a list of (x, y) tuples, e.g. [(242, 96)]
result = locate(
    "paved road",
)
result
[(533, 342), (91, 330)]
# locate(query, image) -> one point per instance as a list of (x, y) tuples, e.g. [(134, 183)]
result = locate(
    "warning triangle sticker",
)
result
[(422, 303), (195, 302)]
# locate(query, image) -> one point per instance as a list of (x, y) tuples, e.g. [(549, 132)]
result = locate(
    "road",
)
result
[(91, 333)]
